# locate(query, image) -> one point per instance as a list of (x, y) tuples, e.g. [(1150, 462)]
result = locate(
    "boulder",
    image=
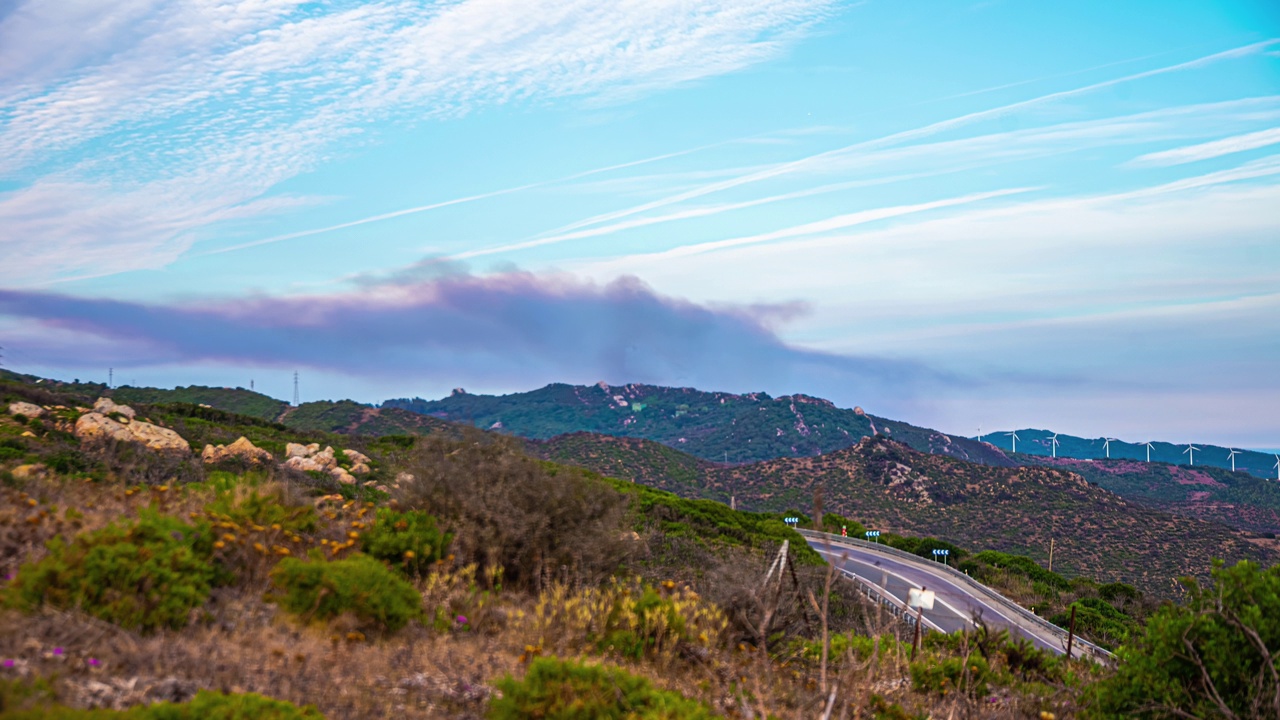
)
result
[(158, 438), (106, 406), (342, 476), (360, 469), (29, 472), (357, 458), (320, 462), (300, 450), (94, 427), (240, 449), (325, 458), (25, 408)]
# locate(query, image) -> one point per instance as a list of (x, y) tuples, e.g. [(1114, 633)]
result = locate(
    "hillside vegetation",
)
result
[(715, 426), (886, 485), (1035, 444), (159, 563), (1236, 499)]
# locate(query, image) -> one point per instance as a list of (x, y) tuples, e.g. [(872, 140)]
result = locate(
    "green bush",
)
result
[(205, 705), (948, 675), (363, 586), (980, 566), (1210, 657), (407, 540), (555, 689), (259, 509), (143, 575), (1098, 620), (861, 646)]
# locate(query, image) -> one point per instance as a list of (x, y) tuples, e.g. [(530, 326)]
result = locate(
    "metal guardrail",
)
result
[(897, 607), (1098, 653)]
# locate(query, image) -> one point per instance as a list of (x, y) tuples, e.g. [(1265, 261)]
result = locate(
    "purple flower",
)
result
[(8, 662), (57, 651), (462, 619), (94, 662)]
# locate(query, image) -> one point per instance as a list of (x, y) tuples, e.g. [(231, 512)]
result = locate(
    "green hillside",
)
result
[(1037, 443), (884, 484), (715, 426), (1237, 499), (236, 400)]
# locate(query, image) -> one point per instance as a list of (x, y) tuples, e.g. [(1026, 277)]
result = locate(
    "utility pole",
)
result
[(1050, 554)]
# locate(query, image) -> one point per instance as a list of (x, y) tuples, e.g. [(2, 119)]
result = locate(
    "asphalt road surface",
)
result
[(955, 604)]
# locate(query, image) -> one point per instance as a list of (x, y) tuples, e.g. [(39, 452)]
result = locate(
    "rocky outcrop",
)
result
[(26, 409), (357, 457), (293, 450), (310, 458), (241, 449), (96, 427), (106, 406)]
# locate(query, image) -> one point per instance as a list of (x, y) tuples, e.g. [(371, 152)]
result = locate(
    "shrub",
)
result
[(205, 705), (947, 675), (981, 565), (514, 512), (556, 689), (631, 619), (1098, 620), (262, 509), (407, 540), (861, 646), (143, 575), (66, 462), (1211, 657), (360, 585)]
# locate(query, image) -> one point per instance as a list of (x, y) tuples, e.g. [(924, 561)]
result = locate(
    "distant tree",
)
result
[(1216, 656)]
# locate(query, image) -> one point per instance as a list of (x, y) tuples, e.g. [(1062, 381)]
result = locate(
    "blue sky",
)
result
[(957, 214)]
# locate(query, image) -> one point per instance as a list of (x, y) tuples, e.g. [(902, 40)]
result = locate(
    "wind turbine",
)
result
[(1106, 445), (1277, 467), (1148, 451), (1014, 435), (1191, 451), (979, 433), (1231, 455), (1053, 444)]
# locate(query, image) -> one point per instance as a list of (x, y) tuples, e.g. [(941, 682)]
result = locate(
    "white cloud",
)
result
[(1213, 149), (201, 92)]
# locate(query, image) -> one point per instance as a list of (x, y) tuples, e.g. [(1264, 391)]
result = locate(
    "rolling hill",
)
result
[(716, 426), (887, 485), (1037, 443), (1236, 499)]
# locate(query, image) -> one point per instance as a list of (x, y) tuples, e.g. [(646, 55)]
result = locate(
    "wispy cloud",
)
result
[(260, 90), (838, 155), (1213, 149)]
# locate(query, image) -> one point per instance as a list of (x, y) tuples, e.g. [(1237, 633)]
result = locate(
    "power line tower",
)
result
[(295, 389)]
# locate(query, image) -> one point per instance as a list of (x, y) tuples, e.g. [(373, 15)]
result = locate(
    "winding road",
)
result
[(958, 597)]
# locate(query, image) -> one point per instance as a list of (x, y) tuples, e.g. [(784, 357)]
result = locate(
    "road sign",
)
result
[(920, 599)]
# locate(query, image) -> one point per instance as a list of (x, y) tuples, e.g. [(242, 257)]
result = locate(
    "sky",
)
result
[(959, 214)]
